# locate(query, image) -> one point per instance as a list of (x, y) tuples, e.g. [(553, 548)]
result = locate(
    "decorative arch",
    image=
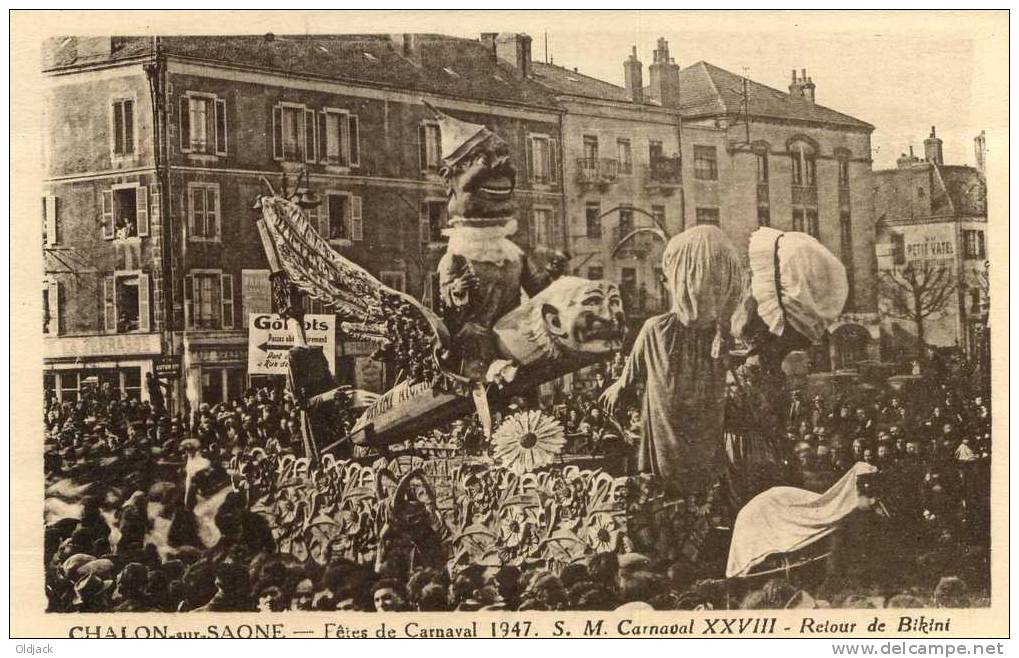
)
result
[(842, 153), (800, 140)]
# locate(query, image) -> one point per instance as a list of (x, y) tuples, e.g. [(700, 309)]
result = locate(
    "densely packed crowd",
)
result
[(150, 511)]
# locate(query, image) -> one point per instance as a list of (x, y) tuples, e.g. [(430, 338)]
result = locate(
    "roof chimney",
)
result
[(515, 49), (980, 150), (408, 46), (932, 148), (488, 41), (664, 74), (633, 74), (802, 86)]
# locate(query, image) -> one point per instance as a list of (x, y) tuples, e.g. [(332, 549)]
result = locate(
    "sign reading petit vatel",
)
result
[(269, 340)]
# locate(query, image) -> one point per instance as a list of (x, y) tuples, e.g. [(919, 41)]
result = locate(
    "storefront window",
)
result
[(132, 378), (212, 385), (68, 386)]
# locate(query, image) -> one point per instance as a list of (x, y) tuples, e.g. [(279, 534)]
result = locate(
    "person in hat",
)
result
[(797, 288), (92, 594), (483, 271), (676, 356)]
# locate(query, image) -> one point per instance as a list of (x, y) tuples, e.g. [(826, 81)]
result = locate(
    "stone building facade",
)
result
[(932, 217), (155, 151)]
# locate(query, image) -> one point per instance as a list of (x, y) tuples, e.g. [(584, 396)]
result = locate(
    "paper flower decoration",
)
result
[(528, 440)]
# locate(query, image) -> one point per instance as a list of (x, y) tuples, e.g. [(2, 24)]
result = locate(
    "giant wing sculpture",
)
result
[(407, 332), (570, 324)]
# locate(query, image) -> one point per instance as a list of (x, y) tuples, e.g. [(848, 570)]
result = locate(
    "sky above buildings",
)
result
[(901, 72)]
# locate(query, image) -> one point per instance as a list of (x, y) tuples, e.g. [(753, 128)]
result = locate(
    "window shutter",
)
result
[(277, 133), (310, 152), (141, 202), (227, 298), (189, 304), (323, 138), (185, 124), (220, 126), (425, 224), (354, 137), (553, 161), (51, 220), (53, 292), (108, 214), (129, 126), (190, 197), (144, 312), (423, 146), (212, 213), (530, 159), (323, 217), (118, 125), (109, 305), (356, 223), (155, 216)]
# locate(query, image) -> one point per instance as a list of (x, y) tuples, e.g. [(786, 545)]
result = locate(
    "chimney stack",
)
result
[(488, 41), (932, 148), (802, 86), (515, 49), (980, 150), (633, 74), (664, 74), (407, 45)]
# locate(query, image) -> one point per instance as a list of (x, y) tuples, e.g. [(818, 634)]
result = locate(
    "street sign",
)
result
[(269, 340), (167, 367)]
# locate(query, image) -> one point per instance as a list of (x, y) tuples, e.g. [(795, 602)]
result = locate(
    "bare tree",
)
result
[(916, 292)]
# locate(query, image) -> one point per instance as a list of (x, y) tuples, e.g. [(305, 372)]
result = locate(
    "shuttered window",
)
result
[(203, 124)]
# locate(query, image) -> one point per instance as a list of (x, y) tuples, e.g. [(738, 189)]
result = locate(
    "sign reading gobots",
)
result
[(269, 340)]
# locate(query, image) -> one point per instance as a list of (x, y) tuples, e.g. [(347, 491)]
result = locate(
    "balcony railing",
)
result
[(804, 195), (597, 170), (663, 171)]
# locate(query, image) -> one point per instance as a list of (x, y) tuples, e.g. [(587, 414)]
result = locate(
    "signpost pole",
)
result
[(289, 307)]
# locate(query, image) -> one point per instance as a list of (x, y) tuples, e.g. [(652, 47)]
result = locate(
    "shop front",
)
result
[(74, 364)]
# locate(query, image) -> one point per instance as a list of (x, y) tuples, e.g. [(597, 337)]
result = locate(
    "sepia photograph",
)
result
[(616, 313)]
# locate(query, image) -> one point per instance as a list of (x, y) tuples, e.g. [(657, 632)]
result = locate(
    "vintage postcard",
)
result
[(509, 324)]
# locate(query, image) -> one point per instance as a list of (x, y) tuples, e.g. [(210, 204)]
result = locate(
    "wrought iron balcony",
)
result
[(663, 172), (804, 195), (597, 171)]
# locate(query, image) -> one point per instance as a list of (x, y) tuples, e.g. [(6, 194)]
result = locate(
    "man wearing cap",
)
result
[(482, 272)]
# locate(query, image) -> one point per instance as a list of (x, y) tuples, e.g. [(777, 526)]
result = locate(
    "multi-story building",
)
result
[(756, 156), (155, 151), (701, 145), (932, 221), (621, 170)]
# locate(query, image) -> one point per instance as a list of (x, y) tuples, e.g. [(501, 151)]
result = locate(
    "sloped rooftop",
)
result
[(445, 65)]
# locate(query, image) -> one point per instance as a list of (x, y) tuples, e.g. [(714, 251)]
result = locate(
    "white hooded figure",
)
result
[(797, 289)]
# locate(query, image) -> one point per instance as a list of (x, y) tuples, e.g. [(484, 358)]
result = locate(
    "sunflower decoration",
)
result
[(602, 532), (528, 440)]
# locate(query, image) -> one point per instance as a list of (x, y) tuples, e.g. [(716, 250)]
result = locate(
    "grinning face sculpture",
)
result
[(575, 315), (480, 185)]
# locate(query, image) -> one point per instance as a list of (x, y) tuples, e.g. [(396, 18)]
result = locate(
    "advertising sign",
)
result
[(269, 339)]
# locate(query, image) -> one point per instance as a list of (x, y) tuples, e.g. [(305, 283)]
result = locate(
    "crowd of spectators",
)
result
[(120, 501)]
